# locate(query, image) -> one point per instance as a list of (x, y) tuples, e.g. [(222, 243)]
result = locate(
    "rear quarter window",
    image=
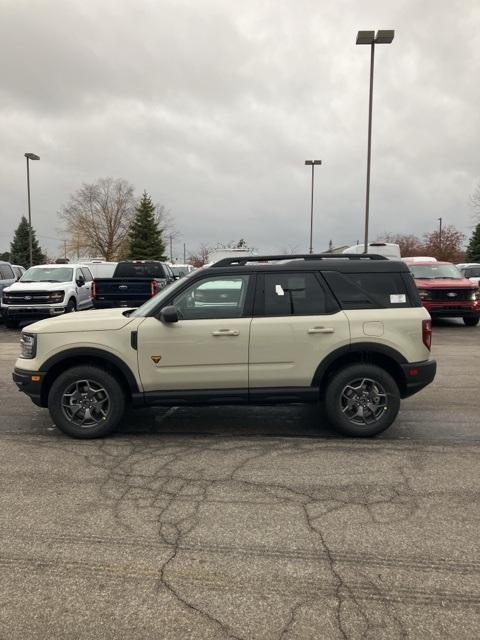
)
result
[(6, 272), (373, 290)]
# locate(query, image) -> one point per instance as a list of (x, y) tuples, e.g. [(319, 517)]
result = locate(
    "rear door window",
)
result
[(372, 290), (6, 272), (294, 294)]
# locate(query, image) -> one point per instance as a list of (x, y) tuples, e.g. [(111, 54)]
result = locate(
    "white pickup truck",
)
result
[(47, 290)]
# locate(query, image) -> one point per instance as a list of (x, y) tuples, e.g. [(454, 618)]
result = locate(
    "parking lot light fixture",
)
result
[(30, 156), (312, 163), (383, 36)]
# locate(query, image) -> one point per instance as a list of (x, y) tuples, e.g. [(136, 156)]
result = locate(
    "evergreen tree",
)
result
[(146, 242), (19, 248), (473, 249)]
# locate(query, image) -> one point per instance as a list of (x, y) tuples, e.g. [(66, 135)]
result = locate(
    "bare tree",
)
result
[(99, 215), (447, 246), (199, 257), (409, 244)]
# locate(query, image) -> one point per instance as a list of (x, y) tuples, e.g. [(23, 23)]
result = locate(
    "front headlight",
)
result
[(56, 296), (475, 295), (424, 294), (28, 344)]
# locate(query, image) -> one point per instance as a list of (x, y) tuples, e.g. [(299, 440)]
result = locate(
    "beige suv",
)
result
[(346, 331)]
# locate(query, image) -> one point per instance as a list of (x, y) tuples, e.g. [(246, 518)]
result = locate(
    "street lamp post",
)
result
[(369, 37), (30, 156), (312, 163)]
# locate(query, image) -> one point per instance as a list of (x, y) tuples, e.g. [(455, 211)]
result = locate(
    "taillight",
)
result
[(154, 288), (94, 289), (427, 333)]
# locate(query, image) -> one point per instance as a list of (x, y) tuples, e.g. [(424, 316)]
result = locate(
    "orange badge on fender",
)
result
[(156, 359)]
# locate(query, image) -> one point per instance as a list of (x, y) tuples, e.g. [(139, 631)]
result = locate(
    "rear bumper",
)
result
[(111, 304), (32, 387), (417, 376)]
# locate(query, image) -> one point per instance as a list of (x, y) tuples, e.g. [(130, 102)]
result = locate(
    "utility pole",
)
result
[(30, 156), (440, 233), (312, 163), (65, 249), (171, 249)]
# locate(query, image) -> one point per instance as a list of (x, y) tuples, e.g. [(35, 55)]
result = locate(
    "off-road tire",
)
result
[(334, 396), (99, 378), (471, 322), (11, 323)]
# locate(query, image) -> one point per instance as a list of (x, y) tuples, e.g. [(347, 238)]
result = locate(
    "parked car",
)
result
[(132, 283), (181, 270), (470, 270), (18, 270), (101, 268), (388, 249), (7, 275), (47, 290), (344, 331), (444, 291)]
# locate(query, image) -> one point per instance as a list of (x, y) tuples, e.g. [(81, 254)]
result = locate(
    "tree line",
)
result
[(106, 219)]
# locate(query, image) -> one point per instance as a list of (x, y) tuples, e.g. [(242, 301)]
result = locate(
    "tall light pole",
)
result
[(312, 163), (440, 233), (369, 37), (30, 156)]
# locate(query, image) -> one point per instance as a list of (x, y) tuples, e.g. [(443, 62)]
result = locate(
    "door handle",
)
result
[(321, 330), (226, 332)]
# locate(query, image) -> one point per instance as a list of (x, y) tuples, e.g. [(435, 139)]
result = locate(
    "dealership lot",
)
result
[(246, 522)]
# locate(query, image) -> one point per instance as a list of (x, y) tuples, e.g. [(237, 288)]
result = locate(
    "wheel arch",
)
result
[(367, 353), (60, 362)]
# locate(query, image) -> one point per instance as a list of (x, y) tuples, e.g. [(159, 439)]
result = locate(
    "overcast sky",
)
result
[(213, 106)]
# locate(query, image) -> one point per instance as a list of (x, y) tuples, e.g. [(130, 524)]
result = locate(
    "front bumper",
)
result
[(417, 375), (30, 382), (34, 311), (449, 309)]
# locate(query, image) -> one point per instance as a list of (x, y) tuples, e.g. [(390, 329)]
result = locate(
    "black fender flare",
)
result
[(357, 348), (81, 352)]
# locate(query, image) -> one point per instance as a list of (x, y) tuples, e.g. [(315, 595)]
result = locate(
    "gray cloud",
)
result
[(213, 107)]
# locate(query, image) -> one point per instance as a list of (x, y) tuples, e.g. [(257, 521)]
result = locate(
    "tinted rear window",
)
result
[(139, 270), (6, 272), (373, 290)]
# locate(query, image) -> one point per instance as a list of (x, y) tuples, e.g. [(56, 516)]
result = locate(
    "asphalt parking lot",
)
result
[(245, 523)]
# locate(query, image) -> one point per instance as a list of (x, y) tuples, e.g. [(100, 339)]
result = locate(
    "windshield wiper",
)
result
[(27, 280)]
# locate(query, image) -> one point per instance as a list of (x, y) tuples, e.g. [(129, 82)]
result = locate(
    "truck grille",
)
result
[(446, 294), (27, 297)]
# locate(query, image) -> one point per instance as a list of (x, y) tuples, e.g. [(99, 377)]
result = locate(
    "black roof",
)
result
[(342, 262)]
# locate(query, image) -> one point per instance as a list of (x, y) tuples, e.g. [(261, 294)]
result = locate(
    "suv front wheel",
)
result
[(86, 402), (362, 400)]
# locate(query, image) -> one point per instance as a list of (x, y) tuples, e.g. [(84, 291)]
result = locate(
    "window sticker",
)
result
[(398, 298), (278, 290)]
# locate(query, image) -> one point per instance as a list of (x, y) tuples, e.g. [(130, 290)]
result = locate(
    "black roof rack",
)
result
[(242, 260)]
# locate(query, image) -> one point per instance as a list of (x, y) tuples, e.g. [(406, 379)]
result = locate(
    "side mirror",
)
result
[(80, 281), (169, 314)]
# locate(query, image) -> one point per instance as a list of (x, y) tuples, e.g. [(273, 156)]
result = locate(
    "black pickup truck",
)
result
[(133, 282)]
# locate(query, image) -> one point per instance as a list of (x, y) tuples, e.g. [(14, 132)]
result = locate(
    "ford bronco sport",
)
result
[(346, 331)]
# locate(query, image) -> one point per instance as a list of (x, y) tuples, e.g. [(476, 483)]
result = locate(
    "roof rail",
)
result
[(242, 260)]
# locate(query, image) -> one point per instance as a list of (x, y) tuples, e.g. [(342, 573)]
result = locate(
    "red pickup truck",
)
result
[(444, 292)]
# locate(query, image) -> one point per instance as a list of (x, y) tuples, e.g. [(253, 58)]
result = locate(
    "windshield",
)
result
[(436, 272), (47, 274), (472, 272), (148, 306)]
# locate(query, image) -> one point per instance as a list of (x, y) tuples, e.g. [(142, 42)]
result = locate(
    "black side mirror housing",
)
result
[(169, 314)]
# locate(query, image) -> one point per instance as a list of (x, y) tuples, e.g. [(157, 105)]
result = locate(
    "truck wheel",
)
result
[(86, 402), (11, 323), (71, 306), (362, 400), (471, 322)]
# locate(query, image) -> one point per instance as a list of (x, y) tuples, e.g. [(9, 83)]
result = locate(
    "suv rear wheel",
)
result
[(86, 402), (362, 400)]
